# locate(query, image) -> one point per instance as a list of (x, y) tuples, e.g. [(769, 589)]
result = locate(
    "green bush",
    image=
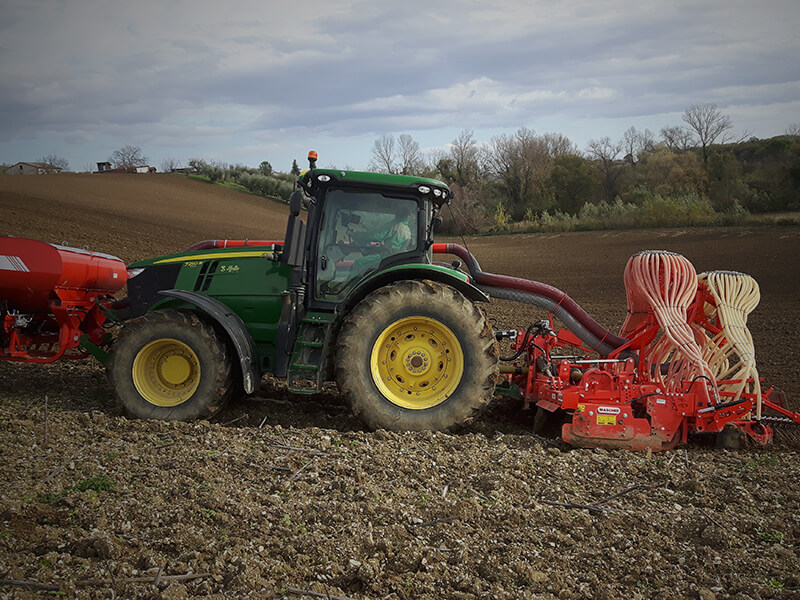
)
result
[(239, 177), (650, 211)]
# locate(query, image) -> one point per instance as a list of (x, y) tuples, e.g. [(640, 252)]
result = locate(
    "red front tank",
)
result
[(30, 272)]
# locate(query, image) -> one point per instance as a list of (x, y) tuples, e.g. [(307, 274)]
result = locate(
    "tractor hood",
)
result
[(266, 251)]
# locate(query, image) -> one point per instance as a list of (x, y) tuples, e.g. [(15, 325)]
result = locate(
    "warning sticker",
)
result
[(581, 408), (606, 419)]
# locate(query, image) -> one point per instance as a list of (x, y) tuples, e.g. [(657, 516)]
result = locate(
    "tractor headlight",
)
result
[(424, 189), (134, 272)]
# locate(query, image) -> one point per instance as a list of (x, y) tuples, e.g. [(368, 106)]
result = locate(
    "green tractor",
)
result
[(351, 294)]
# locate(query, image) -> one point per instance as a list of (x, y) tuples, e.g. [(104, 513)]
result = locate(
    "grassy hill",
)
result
[(133, 216)]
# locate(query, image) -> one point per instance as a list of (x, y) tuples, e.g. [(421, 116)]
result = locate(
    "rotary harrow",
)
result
[(683, 363)]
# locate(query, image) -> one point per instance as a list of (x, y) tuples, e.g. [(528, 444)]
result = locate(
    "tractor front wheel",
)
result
[(416, 355), (170, 365)]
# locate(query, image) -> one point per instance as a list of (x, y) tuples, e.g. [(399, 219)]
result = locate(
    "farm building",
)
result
[(105, 167), (32, 168)]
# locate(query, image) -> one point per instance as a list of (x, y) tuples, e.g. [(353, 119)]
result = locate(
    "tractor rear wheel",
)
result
[(416, 355), (170, 365)]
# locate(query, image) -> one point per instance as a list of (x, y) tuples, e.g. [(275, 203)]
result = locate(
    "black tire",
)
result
[(375, 369), (170, 365)]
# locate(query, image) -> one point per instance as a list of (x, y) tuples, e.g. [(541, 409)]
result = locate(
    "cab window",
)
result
[(358, 230)]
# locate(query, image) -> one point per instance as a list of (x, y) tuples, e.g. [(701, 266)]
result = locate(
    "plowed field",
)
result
[(289, 497)]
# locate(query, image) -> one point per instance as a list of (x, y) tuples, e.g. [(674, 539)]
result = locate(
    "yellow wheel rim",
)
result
[(166, 372), (417, 362)]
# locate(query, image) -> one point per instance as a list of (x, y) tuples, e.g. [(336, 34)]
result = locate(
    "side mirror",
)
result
[(295, 202)]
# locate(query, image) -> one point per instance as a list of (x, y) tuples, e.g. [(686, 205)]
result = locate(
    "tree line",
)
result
[(699, 172), (694, 173)]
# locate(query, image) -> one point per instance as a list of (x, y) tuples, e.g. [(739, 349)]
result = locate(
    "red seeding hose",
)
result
[(538, 294), (211, 244), (731, 353), (666, 282)]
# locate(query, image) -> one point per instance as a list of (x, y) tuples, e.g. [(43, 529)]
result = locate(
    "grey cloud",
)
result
[(378, 68)]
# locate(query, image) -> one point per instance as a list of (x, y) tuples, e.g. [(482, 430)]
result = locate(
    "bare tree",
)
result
[(630, 144), (521, 163), (464, 157), (383, 154), (676, 138), (558, 144), (647, 141), (604, 150), (708, 124), (55, 160), (168, 164), (634, 142), (603, 153), (793, 130), (397, 156), (410, 156), (128, 156)]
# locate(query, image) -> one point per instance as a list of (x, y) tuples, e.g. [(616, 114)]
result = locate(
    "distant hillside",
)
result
[(132, 216)]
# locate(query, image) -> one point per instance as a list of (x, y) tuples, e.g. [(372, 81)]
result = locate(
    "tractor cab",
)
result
[(360, 224), (358, 233)]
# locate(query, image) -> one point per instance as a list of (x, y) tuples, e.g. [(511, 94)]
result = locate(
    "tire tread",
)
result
[(354, 344)]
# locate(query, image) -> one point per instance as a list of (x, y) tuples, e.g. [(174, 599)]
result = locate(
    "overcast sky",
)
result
[(242, 81)]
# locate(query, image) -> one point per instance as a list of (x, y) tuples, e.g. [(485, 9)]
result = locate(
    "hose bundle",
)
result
[(731, 353), (663, 284), (638, 307)]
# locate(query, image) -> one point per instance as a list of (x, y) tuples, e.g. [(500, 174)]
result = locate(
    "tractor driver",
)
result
[(370, 236), (398, 237), (392, 236)]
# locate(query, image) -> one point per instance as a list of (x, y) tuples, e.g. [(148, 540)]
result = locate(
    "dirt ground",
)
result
[(133, 216), (283, 496)]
